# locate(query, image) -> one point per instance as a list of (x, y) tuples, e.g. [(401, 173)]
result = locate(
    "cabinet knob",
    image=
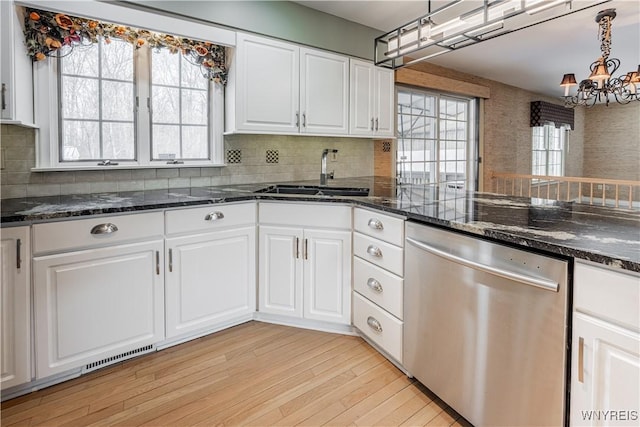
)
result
[(374, 285), (107, 228), (374, 324), (374, 251), (213, 216), (375, 223)]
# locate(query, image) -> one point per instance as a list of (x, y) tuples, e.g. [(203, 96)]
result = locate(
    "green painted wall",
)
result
[(280, 19)]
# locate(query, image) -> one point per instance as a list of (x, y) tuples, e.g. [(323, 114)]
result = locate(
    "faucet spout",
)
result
[(323, 166)]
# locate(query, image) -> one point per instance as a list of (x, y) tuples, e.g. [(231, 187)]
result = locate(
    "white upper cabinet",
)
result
[(266, 86), (371, 100), (16, 68), (324, 92), (281, 88)]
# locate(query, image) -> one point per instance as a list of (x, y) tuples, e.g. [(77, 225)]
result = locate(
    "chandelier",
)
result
[(600, 86)]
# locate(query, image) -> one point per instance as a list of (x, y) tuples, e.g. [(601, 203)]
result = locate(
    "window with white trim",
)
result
[(437, 142), (129, 107), (128, 98), (548, 150)]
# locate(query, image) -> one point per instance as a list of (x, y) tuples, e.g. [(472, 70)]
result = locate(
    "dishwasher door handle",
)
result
[(548, 285)]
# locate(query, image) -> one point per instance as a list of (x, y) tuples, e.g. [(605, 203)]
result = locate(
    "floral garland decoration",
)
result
[(47, 32)]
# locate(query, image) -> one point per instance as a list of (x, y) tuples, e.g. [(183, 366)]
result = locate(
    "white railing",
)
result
[(594, 191)]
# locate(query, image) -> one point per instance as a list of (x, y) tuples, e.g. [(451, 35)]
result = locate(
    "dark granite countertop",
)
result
[(609, 236)]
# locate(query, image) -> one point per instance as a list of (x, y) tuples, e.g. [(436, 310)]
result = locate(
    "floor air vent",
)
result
[(117, 358)]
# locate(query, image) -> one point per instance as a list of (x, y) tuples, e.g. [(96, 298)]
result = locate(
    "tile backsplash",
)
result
[(254, 158)]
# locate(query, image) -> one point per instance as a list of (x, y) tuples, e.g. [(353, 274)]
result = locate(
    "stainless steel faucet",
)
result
[(323, 166)]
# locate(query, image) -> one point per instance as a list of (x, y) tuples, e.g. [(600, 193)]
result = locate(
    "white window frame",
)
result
[(46, 102), (564, 137)]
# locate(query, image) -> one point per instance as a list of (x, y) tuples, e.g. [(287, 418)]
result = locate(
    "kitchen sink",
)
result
[(314, 190)]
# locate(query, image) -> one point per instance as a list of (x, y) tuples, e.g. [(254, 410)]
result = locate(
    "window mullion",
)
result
[(100, 136), (143, 105)]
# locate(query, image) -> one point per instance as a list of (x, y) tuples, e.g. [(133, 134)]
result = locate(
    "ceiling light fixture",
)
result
[(600, 86), (461, 23)]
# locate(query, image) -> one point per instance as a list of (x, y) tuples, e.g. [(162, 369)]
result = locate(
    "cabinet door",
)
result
[(384, 103), (15, 307), (268, 85), (324, 93), (210, 278), (327, 275), (16, 69), (605, 368), (95, 304), (361, 120), (280, 271)]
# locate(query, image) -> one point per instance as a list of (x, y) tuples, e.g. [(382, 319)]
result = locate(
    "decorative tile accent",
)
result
[(386, 147), (272, 156), (234, 156)]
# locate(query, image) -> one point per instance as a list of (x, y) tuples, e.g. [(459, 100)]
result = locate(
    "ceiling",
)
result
[(534, 58)]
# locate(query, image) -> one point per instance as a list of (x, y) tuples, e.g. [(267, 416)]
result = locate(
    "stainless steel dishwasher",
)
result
[(485, 327)]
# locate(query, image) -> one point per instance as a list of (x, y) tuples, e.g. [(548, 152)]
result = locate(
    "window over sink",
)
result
[(121, 97)]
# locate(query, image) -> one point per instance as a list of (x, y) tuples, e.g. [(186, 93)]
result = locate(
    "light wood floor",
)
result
[(252, 374)]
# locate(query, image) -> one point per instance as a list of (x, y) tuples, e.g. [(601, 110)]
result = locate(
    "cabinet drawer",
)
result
[(306, 215), (70, 235), (210, 217), (379, 286), (612, 295), (378, 325), (380, 226), (380, 253)]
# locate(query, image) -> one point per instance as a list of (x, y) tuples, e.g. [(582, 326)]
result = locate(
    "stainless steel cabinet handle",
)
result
[(374, 324), (545, 284), (297, 119), (376, 124), (297, 251), (18, 256), (170, 260), (158, 263), (4, 96), (581, 359), (371, 123), (374, 251), (306, 249), (106, 228), (213, 216), (374, 285), (304, 120), (375, 223)]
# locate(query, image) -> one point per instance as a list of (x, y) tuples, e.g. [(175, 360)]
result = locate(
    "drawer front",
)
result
[(380, 253), (378, 325), (380, 226), (379, 286), (209, 218), (612, 295), (307, 215), (103, 231)]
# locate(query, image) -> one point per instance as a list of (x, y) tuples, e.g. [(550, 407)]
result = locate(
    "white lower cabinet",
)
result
[(378, 284), (605, 374), (280, 271), (305, 272), (15, 307), (97, 303), (605, 365), (210, 279)]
